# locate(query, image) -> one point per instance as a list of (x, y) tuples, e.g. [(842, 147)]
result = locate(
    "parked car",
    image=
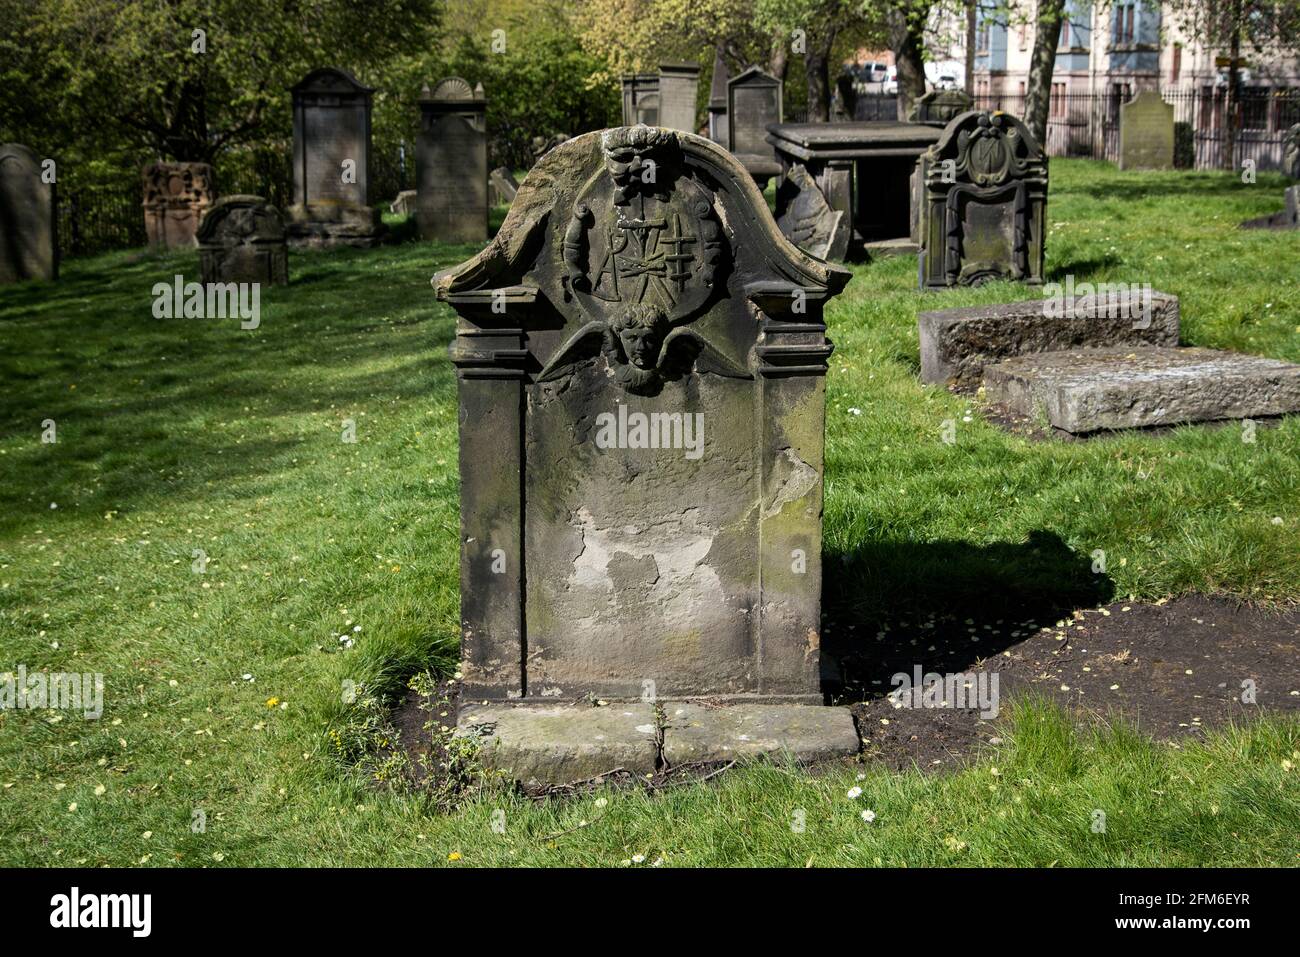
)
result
[(891, 80)]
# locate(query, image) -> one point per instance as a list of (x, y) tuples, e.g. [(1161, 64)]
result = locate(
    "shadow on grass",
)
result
[(945, 605)]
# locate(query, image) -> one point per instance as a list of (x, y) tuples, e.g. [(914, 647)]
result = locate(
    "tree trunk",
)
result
[(817, 69), (971, 10), (1038, 92), (779, 65), (1232, 114), (907, 40)]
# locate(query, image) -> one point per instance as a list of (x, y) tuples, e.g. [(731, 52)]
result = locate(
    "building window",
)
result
[(1058, 100), (1123, 32), (1176, 66)]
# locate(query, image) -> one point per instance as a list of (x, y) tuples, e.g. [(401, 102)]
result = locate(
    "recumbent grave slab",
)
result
[(641, 360)]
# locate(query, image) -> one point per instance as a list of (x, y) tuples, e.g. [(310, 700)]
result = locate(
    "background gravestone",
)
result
[(451, 163), (678, 84), (621, 570), (940, 107), (331, 162), (29, 246), (1291, 152), (985, 203), (718, 102), (641, 99), (1146, 132), (502, 186), (753, 103), (242, 239), (176, 195)]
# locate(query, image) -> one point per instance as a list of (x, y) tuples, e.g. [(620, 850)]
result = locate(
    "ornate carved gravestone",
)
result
[(331, 162), (28, 245), (1291, 152), (641, 359), (1146, 132), (985, 202), (754, 101), (176, 195), (242, 239), (940, 107), (451, 163)]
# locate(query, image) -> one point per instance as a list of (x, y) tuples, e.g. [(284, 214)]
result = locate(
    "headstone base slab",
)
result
[(563, 744), (1090, 390)]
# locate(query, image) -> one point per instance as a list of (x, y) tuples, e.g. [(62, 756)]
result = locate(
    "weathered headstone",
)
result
[(242, 239), (176, 195), (1286, 218), (985, 203), (331, 162), (940, 107), (29, 246), (754, 100), (451, 163), (1146, 132), (1291, 152), (718, 102), (807, 220), (641, 365), (502, 186)]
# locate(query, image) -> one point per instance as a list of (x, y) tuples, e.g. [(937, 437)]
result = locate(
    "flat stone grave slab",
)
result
[(1088, 390), (695, 733), (565, 744), (956, 344), (562, 744)]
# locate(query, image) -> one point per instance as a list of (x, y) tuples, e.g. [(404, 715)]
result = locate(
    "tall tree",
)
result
[(1038, 90), (907, 26)]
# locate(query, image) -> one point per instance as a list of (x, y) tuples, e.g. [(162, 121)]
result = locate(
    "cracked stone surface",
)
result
[(1088, 390), (956, 344), (562, 744), (695, 733)]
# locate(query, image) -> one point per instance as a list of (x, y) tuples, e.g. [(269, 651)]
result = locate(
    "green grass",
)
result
[(176, 435)]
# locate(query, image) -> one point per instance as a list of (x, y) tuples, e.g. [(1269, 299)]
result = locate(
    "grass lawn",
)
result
[(183, 435)]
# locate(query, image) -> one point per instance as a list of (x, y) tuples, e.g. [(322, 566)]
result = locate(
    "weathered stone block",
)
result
[(940, 107), (1088, 390), (562, 744), (242, 239), (29, 246), (807, 220), (956, 344), (695, 733), (985, 203)]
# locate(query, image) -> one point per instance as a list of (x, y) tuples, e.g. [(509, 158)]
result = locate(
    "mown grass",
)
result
[(176, 435)]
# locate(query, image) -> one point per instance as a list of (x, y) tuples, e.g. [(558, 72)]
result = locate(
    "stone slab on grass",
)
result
[(1087, 390), (695, 733), (956, 344), (564, 743)]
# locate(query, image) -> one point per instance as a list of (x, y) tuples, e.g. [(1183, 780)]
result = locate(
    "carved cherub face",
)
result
[(641, 330)]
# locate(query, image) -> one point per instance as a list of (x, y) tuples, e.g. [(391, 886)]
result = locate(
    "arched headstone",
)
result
[(28, 223), (242, 239)]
